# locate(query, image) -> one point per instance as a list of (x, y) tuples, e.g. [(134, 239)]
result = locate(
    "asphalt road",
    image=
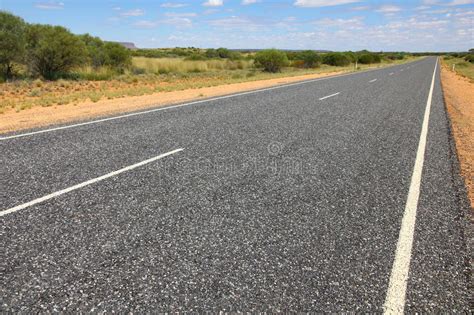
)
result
[(279, 200)]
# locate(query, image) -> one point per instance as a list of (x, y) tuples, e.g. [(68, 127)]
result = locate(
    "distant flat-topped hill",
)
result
[(127, 45)]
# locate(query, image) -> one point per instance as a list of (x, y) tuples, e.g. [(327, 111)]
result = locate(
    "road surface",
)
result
[(301, 197)]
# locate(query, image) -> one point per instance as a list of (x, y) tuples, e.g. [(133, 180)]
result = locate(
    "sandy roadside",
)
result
[(43, 116), (459, 97)]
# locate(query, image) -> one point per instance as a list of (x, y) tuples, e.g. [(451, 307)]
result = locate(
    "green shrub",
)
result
[(118, 57), (223, 53), (310, 58), (181, 52), (12, 42), (53, 50), (469, 58), (351, 55), (336, 59), (212, 53), (366, 59), (272, 60), (150, 53), (95, 50), (398, 56)]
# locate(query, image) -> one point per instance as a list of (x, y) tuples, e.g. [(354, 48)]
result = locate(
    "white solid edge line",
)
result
[(323, 98), (395, 298), (83, 184), (187, 104), (372, 80)]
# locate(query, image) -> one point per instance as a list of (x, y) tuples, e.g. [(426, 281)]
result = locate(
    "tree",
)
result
[(366, 59), (310, 58), (95, 50), (12, 42), (53, 50), (272, 60), (212, 53), (336, 59), (223, 52), (118, 57)]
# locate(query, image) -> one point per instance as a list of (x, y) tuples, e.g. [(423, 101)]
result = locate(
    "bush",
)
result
[(95, 50), (366, 59), (352, 56), (53, 50), (12, 42), (181, 52), (118, 57), (223, 53), (336, 59), (212, 53), (398, 56), (469, 58), (150, 53), (272, 60), (310, 58)]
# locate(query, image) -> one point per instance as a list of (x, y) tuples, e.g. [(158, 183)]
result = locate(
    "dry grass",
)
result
[(178, 65), (462, 67)]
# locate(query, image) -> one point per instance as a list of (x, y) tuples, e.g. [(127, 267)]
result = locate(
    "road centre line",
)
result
[(371, 81), (323, 98), (396, 293), (180, 105), (86, 183)]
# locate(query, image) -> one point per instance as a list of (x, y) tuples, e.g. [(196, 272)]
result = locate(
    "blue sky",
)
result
[(416, 25)]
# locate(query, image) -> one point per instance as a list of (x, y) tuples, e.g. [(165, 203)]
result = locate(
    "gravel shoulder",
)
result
[(459, 99)]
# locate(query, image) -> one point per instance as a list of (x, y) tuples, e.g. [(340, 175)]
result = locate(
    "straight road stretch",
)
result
[(333, 195)]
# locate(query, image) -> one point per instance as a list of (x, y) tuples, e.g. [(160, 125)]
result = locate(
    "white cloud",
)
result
[(247, 2), (134, 12), (361, 8), (465, 13), (49, 5), (347, 24), (322, 3), (179, 22), (461, 2), (173, 14), (210, 11), (173, 5), (240, 23), (145, 24), (449, 3), (389, 9), (213, 3)]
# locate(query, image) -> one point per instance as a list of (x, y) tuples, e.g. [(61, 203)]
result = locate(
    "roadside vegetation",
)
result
[(463, 63), (44, 65)]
